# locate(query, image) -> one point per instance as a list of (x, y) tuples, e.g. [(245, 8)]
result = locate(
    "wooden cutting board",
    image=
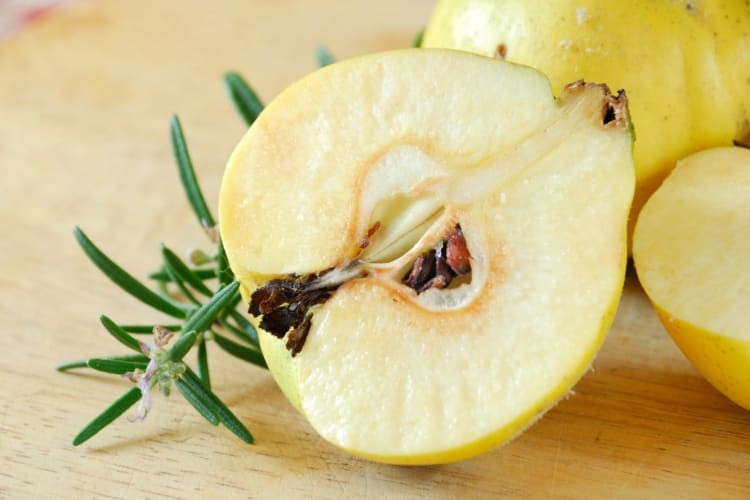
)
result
[(85, 97)]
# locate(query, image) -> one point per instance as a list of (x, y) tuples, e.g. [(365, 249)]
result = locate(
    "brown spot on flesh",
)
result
[(368, 237), (501, 51)]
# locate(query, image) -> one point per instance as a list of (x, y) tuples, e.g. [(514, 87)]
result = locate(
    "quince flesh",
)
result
[(691, 249), (685, 64), (354, 174)]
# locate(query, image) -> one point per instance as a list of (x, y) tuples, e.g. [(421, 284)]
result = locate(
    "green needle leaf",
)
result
[(115, 366), (207, 313), (204, 407), (246, 326), (136, 358), (107, 416), (223, 271), (69, 365), (175, 278), (253, 356), (124, 280), (324, 57), (121, 335), (203, 274), (84, 363), (203, 372), (417, 42), (227, 418), (182, 346), (234, 330), (187, 175), (141, 329), (243, 96), (183, 272)]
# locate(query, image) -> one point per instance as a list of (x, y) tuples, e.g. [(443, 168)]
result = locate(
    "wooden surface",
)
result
[(84, 100)]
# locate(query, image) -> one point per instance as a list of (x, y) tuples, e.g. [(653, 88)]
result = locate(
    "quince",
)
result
[(432, 244)]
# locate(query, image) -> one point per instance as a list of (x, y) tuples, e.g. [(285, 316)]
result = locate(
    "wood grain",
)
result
[(85, 97)]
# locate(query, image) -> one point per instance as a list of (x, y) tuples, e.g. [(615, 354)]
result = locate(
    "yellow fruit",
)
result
[(684, 64), (439, 241), (691, 249)]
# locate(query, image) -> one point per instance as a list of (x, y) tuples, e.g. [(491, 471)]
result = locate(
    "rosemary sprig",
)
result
[(154, 364)]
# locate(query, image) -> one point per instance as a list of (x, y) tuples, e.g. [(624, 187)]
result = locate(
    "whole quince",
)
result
[(685, 64)]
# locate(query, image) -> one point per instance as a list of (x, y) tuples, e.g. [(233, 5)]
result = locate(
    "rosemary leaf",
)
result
[(243, 96), (69, 365), (107, 416), (246, 326), (253, 356), (200, 404), (226, 416), (207, 313), (187, 175), (121, 335), (141, 329), (178, 267), (124, 280), (237, 332), (177, 280), (129, 357), (203, 274), (223, 272), (115, 366), (203, 372), (83, 363), (324, 56), (417, 42), (182, 346)]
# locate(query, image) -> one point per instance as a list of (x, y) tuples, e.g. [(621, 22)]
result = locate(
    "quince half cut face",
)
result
[(432, 245)]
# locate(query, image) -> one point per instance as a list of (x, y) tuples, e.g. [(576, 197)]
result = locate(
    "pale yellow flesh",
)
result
[(543, 194), (686, 69), (691, 250)]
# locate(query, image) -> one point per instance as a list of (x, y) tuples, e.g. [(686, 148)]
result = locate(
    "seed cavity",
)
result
[(438, 267), (286, 304)]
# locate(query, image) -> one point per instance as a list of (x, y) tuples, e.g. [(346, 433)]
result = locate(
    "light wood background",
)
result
[(85, 96)]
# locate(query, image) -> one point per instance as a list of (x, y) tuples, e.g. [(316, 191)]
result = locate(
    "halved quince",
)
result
[(691, 249), (434, 246)]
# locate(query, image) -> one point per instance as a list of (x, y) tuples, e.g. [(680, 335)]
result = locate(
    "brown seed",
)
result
[(457, 253)]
